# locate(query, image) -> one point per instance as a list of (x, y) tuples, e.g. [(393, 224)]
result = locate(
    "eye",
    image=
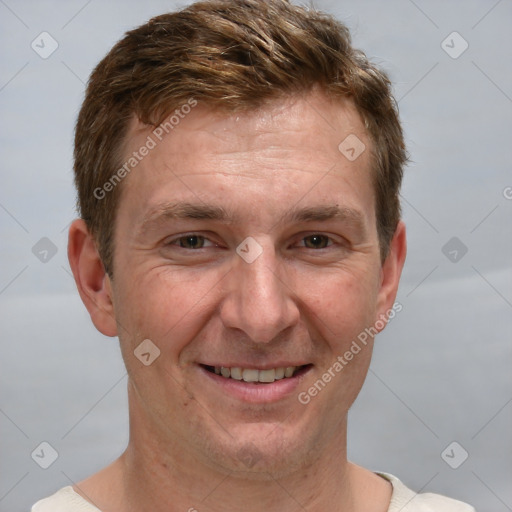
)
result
[(316, 241), (191, 242)]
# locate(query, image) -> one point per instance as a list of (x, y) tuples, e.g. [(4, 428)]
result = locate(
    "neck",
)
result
[(176, 480)]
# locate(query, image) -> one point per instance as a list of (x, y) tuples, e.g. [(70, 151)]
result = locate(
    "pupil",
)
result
[(317, 241), (191, 241)]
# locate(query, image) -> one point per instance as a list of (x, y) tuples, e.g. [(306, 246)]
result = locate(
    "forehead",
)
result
[(307, 121), (282, 148)]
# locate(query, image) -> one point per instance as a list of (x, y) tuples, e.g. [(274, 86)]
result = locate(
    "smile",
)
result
[(254, 375)]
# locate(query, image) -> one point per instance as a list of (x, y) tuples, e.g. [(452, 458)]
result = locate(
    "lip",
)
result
[(257, 392), (269, 366)]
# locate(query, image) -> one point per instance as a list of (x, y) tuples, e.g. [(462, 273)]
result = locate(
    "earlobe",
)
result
[(391, 272), (92, 281)]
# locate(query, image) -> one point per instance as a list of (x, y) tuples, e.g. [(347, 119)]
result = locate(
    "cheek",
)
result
[(163, 305), (343, 304)]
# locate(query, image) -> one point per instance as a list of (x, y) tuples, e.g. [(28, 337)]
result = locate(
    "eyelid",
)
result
[(173, 241), (332, 240)]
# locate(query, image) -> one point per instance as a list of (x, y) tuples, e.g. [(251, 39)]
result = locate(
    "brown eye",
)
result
[(191, 242), (316, 241)]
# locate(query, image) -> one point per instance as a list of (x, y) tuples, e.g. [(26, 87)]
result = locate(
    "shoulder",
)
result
[(404, 499), (65, 500)]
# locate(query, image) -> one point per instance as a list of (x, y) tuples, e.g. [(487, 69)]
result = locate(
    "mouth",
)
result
[(267, 376), (256, 385)]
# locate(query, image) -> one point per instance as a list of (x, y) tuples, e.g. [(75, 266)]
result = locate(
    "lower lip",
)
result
[(257, 392)]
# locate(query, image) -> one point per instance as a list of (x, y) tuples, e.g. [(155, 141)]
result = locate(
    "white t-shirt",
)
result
[(402, 500)]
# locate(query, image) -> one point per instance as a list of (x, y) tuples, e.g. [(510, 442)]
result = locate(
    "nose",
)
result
[(259, 301)]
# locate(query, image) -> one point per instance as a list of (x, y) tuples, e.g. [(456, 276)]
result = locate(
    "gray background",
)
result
[(441, 371)]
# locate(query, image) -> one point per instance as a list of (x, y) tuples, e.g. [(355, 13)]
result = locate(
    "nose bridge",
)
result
[(259, 302)]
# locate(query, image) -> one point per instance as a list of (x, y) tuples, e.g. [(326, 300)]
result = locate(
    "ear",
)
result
[(92, 281), (390, 274)]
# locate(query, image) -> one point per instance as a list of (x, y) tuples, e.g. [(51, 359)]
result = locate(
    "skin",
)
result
[(299, 301)]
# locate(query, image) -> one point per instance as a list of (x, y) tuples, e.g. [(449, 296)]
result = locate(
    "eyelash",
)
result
[(177, 241)]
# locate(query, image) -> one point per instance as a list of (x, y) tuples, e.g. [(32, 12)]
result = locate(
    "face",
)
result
[(247, 245)]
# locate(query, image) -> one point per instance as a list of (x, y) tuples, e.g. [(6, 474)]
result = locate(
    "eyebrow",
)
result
[(174, 211), (323, 213), (202, 211)]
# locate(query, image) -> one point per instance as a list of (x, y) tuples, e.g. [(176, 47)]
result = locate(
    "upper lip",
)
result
[(255, 366)]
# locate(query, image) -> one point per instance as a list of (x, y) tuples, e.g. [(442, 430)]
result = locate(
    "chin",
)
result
[(262, 452)]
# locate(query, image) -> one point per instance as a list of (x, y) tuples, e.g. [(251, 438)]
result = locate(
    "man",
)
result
[(238, 166)]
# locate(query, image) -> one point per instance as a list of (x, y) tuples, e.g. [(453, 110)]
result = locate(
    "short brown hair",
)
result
[(233, 55)]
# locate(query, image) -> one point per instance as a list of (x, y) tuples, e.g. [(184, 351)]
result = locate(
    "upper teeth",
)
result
[(254, 375)]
